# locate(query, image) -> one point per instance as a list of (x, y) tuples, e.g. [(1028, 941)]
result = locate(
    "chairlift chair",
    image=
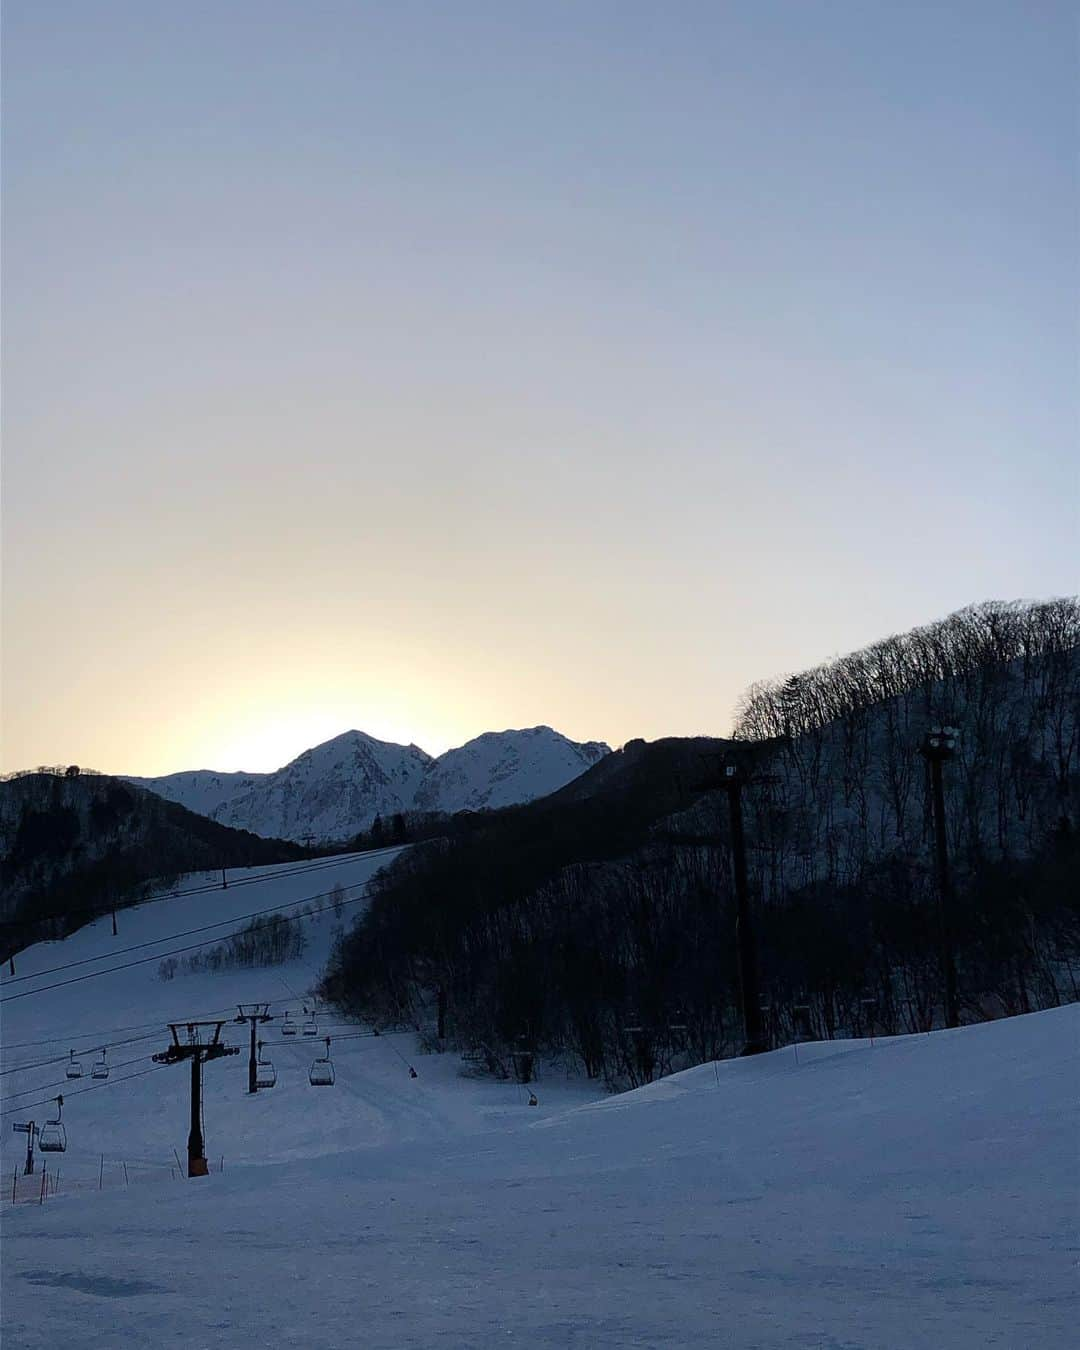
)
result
[(101, 1067), (310, 1025), (288, 1026), (322, 1070), (265, 1073), (52, 1137), (74, 1068)]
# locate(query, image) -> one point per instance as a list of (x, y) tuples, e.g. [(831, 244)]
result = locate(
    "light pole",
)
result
[(732, 779), (939, 744)]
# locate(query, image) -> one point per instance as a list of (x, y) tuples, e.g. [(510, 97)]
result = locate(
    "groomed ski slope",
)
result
[(920, 1192), (141, 1121)]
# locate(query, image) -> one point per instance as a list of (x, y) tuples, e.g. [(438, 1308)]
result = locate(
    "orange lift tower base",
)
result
[(203, 1043)]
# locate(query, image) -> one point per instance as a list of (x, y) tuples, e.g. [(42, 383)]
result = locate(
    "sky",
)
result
[(436, 368)]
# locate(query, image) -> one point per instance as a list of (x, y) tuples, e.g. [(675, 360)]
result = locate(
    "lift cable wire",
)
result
[(160, 956), (92, 1040), (60, 1059), (352, 1032), (93, 1087), (111, 1082), (42, 1087), (65, 1037), (190, 932), (319, 865)]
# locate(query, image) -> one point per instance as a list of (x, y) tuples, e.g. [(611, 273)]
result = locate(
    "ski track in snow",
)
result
[(920, 1192)]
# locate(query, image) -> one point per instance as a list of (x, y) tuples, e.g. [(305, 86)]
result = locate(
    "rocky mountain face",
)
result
[(337, 789)]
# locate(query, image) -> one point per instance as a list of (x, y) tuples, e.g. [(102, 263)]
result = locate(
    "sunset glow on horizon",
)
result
[(430, 370)]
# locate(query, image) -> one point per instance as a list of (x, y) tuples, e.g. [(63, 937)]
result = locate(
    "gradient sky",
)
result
[(437, 368)]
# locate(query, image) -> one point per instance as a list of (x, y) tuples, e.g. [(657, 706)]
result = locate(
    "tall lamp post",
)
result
[(939, 745), (732, 779)]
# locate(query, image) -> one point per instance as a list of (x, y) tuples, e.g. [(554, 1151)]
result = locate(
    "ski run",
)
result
[(915, 1192)]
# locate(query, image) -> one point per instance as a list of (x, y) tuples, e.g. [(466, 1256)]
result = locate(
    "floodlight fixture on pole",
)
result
[(733, 779)]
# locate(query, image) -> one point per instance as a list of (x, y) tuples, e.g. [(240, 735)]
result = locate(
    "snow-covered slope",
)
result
[(203, 790), (129, 1009), (917, 1192), (338, 788), (327, 790), (504, 768)]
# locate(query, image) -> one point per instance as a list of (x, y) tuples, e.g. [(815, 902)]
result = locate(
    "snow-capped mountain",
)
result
[(203, 790), (337, 789), (503, 768)]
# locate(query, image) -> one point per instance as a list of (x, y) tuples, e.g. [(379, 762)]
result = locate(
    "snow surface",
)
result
[(338, 788), (503, 768), (917, 1192)]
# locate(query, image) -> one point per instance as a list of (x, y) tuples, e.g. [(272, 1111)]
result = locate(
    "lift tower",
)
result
[(30, 1130), (253, 1013), (203, 1043)]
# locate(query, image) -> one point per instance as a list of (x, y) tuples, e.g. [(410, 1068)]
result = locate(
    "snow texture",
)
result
[(917, 1193), (337, 789)]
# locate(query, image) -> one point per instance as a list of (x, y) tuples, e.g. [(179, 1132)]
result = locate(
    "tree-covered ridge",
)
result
[(933, 658), (72, 846), (599, 924)]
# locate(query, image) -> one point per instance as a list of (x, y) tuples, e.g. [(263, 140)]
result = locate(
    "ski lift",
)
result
[(533, 1099), (310, 1026), (101, 1067), (265, 1073), (322, 1071), (288, 1027), (52, 1137), (74, 1067)]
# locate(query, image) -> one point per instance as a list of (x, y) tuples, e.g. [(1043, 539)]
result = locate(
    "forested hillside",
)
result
[(72, 847), (599, 923)]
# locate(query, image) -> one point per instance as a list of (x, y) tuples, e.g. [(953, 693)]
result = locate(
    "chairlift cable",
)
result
[(96, 1038), (42, 1086), (351, 1031), (172, 937), (319, 865), (65, 1036), (62, 1059), (92, 1087), (161, 956)]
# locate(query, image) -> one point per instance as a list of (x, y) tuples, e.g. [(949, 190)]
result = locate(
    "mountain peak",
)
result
[(336, 789)]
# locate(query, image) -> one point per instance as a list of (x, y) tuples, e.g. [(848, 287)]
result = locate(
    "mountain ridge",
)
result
[(73, 845), (337, 788)]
